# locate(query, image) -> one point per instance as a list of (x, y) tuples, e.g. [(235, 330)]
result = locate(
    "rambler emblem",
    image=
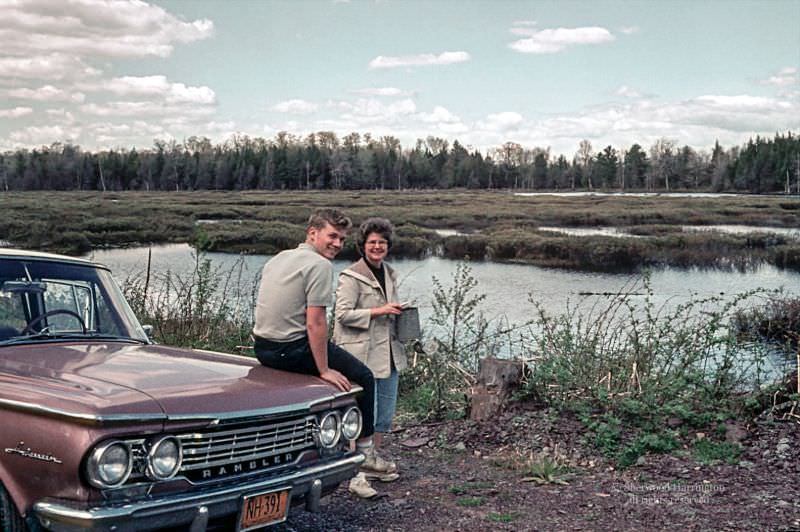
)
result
[(246, 467), (21, 450)]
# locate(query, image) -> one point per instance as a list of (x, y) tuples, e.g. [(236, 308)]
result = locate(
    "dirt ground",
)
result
[(461, 475)]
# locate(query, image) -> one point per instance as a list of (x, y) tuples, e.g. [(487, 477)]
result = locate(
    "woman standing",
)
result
[(366, 304)]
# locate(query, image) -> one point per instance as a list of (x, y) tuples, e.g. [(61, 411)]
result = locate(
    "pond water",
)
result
[(589, 231), (620, 232), (508, 287), (644, 194)]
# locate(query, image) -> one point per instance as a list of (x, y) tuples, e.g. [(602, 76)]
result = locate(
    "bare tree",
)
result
[(584, 156), (661, 154)]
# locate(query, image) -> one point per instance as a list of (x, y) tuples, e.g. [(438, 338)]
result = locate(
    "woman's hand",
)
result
[(388, 308)]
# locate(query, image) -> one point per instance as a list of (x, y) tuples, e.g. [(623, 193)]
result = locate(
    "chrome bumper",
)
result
[(193, 510)]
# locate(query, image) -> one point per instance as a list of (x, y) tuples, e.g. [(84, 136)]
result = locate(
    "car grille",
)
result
[(244, 447)]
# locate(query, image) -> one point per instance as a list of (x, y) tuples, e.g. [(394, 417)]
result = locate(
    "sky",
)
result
[(121, 74)]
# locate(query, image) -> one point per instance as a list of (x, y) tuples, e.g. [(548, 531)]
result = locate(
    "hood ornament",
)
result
[(26, 452)]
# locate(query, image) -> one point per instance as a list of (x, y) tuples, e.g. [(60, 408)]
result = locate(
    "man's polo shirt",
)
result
[(290, 282)]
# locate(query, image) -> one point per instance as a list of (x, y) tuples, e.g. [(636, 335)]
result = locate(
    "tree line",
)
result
[(322, 160)]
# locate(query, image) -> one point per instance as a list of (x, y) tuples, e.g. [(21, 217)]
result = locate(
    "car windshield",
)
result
[(42, 300)]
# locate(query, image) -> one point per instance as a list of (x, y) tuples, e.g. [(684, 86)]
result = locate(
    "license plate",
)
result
[(263, 509)]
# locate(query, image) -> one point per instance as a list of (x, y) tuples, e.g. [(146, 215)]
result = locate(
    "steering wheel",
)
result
[(29, 328)]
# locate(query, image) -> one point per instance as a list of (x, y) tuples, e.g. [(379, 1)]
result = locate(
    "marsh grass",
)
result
[(775, 320), (264, 222)]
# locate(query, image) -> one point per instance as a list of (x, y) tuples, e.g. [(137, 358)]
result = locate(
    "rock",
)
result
[(783, 448), (734, 433), (460, 446), (414, 442), (785, 441), (674, 422), (641, 461), (746, 463)]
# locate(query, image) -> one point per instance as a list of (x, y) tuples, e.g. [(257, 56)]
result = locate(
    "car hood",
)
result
[(109, 380)]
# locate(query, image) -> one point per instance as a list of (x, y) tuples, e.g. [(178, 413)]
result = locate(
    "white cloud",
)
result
[(154, 87), (47, 93), (629, 30), (107, 128), (786, 77), (502, 121), (54, 66), (550, 41), (129, 109), (296, 107), (370, 111), (742, 101), (443, 120), (439, 114), (445, 58), (60, 116), (115, 28), (381, 91), (44, 135), (16, 112), (697, 122), (627, 92)]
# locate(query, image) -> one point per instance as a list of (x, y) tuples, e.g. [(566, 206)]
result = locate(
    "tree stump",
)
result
[(497, 378)]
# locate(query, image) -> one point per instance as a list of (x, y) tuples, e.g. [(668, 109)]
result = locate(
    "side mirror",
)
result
[(148, 330)]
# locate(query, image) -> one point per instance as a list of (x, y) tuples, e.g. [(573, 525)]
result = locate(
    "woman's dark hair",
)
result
[(382, 226)]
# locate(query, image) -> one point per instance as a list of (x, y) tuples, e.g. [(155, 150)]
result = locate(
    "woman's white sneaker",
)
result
[(359, 486)]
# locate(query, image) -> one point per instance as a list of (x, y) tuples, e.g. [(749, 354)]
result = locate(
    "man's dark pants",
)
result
[(295, 356)]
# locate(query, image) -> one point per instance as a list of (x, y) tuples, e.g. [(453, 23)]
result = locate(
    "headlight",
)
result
[(164, 458), (351, 423), (329, 429), (109, 465)]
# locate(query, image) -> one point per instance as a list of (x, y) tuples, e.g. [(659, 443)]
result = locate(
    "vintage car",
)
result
[(102, 429)]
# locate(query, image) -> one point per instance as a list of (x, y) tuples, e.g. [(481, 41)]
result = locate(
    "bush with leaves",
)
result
[(458, 336), (206, 309), (658, 372)]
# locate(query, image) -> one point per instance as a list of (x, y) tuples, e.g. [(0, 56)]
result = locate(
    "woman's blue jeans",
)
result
[(386, 401)]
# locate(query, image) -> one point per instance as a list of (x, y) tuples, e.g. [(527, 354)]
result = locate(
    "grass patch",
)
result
[(711, 452), (506, 517), (468, 487), (545, 469), (471, 502)]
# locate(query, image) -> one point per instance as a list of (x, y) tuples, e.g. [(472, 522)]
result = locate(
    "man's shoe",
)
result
[(383, 477), (359, 486), (375, 464)]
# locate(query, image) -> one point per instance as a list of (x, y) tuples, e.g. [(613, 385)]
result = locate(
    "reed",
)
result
[(501, 226)]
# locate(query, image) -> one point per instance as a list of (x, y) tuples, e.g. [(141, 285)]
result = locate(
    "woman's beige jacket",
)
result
[(371, 340)]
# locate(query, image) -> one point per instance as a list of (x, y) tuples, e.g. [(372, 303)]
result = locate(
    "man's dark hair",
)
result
[(382, 226), (335, 217)]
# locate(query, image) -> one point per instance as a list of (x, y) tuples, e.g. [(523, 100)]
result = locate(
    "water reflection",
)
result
[(638, 194), (507, 286)]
